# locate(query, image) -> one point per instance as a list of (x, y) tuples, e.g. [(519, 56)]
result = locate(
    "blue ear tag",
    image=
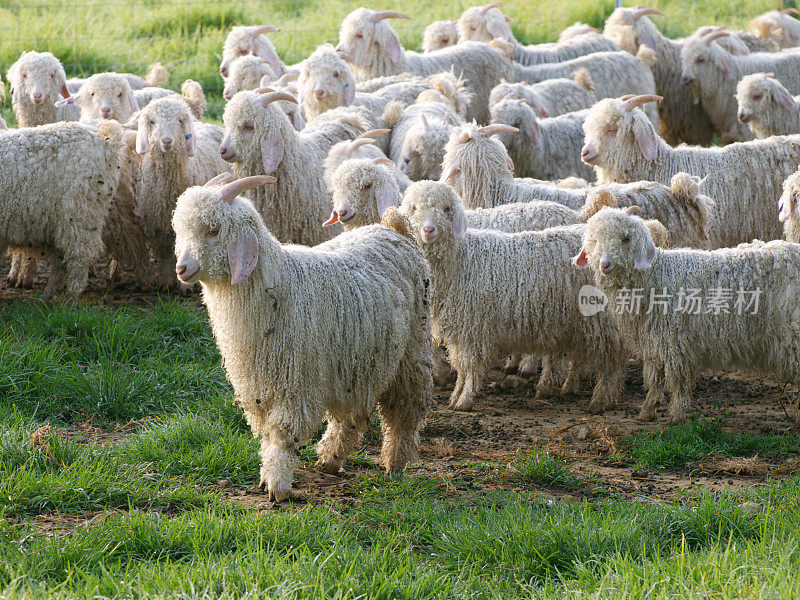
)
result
[(188, 136), (70, 100), (346, 85)]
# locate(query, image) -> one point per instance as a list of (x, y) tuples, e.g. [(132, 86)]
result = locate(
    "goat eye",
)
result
[(248, 126), (445, 40), (336, 73), (626, 239), (447, 209), (119, 95), (757, 97), (242, 51), (213, 231), (700, 60), (152, 121), (367, 186), (359, 35), (52, 75)]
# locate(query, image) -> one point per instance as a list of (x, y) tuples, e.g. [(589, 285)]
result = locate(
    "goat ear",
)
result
[(393, 47), (134, 104), (784, 98), (298, 122), (188, 136), (646, 258), (349, 94), (386, 196), (724, 62), (142, 136), (534, 132), (243, 256), (15, 94), (499, 29), (785, 207), (459, 223), (582, 260), (271, 151), (646, 138), (646, 38)]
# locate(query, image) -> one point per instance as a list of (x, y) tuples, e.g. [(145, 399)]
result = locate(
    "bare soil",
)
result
[(470, 451)]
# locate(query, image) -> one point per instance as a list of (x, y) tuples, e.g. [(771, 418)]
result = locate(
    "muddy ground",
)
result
[(470, 451)]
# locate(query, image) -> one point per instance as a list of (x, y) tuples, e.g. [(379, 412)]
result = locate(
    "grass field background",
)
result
[(136, 512), (90, 36)]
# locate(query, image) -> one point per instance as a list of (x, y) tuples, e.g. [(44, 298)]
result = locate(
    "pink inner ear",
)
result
[(499, 29), (386, 197), (242, 257), (394, 49), (459, 223), (582, 260), (271, 151)]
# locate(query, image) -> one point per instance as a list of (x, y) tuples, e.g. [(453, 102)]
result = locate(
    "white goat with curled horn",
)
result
[(373, 50), (260, 140), (310, 334)]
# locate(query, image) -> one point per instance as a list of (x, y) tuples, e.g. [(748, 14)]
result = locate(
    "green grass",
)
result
[(187, 35), (673, 447), (165, 529)]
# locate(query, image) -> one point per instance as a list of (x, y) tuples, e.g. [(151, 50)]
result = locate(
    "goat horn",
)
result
[(379, 15), (631, 103), (382, 160), (373, 133), (263, 90), (218, 180), (271, 97), (790, 10), (234, 188), (715, 35), (259, 29), (424, 122), (497, 128), (359, 141), (645, 10), (490, 6), (632, 209), (286, 78)]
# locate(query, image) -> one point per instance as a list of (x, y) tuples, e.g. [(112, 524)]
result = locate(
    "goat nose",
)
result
[(744, 117), (167, 141), (105, 110), (223, 71), (319, 94), (685, 79), (427, 228), (180, 269), (37, 95)]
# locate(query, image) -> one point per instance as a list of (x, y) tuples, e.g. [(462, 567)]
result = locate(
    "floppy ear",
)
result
[(393, 47), (534, 133), (134, 104), (386, 196), (724, 62), (784, 98), (297, 120), (646, 38), (646, 138), (499, 29), (459, 223), (188, 136), (271, 151), (142, 136), (349, 94), (785, 208), (582, 260), (645, 259), (451, 172), (243, 256)]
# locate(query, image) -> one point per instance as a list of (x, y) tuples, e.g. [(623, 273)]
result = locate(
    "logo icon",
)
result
[(591, 300)]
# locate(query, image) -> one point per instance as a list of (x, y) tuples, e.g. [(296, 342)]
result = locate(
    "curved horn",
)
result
[(645, 10), (286, 78), (373, 133), (358, 142), (490, 6), (218, 180), (790, 10), (632, 209), (631, 103), (263, 90), (424, 122), (715, 35), (497, 128), (256, 30), (379, 15), (234, 188), (382, 160), (271, 97)]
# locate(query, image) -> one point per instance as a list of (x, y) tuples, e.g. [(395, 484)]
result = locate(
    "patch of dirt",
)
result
[(469, 450)]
